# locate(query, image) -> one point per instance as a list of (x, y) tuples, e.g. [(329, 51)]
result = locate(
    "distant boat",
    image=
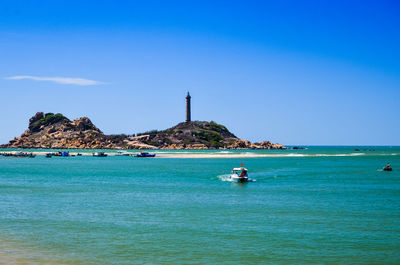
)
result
[(64, 154), (100, 154), (387, 168), (120, 153), (22, 154), (145, 154)]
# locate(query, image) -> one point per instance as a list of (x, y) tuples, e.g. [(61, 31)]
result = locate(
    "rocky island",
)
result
[(57, 131)]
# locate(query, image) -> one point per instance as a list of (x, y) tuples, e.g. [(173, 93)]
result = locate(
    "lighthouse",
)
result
[(188, 118)]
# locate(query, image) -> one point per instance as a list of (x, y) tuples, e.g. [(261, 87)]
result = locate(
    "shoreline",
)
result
[(164, 155), (193, 155)]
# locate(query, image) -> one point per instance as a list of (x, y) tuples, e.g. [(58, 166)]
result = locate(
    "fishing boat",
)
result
[(60, 153), (22, 154), (145, 154), (99, 154), (120, 153), (387, 168), (239, 174)]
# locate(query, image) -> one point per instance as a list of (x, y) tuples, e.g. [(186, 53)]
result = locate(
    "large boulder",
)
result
[(267, 145), (84, 124), (240, 144)]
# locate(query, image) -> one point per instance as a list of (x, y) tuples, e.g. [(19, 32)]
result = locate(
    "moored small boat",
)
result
[(145, 154), (99, 154), (22, 154), (120, 153), (60, 153)]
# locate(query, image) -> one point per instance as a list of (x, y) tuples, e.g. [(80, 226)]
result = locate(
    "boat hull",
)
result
[(148, 155), (236, 178), (99, 154)]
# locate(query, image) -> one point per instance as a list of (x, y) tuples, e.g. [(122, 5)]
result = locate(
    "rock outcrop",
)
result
[(191, 135), (267, 145), (56, 131)]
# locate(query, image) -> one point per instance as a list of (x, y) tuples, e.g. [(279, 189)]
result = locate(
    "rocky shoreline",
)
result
[(55, 131)]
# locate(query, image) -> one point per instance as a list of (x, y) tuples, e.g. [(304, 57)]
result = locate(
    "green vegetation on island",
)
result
[(45, 120)]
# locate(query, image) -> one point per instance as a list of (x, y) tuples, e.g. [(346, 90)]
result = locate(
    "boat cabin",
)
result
[(240, 171)]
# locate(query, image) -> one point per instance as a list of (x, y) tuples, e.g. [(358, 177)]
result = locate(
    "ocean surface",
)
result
[(323, 205)]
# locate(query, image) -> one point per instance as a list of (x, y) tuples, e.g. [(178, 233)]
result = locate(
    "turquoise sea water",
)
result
[(322, 205)]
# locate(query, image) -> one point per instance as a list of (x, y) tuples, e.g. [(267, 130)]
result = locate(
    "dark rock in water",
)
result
[(357, 150), (298, 148)]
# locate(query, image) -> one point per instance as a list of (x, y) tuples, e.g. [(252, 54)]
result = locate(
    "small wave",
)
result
[(295, 155), (351, 154), (391, 154), (310, 155)]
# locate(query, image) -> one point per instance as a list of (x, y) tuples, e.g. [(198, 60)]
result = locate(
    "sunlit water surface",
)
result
[(321, 205)]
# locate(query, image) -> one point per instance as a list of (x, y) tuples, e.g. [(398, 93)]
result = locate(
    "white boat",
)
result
[(120, 153), (239, 174), (99, 154)]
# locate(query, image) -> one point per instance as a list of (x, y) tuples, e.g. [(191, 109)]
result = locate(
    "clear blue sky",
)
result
[(293, 72)]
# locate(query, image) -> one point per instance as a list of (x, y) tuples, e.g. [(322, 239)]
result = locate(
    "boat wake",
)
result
[(227, 178), (262, 176)]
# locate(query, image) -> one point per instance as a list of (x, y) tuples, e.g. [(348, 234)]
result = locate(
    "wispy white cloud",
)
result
[(59, 80)]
